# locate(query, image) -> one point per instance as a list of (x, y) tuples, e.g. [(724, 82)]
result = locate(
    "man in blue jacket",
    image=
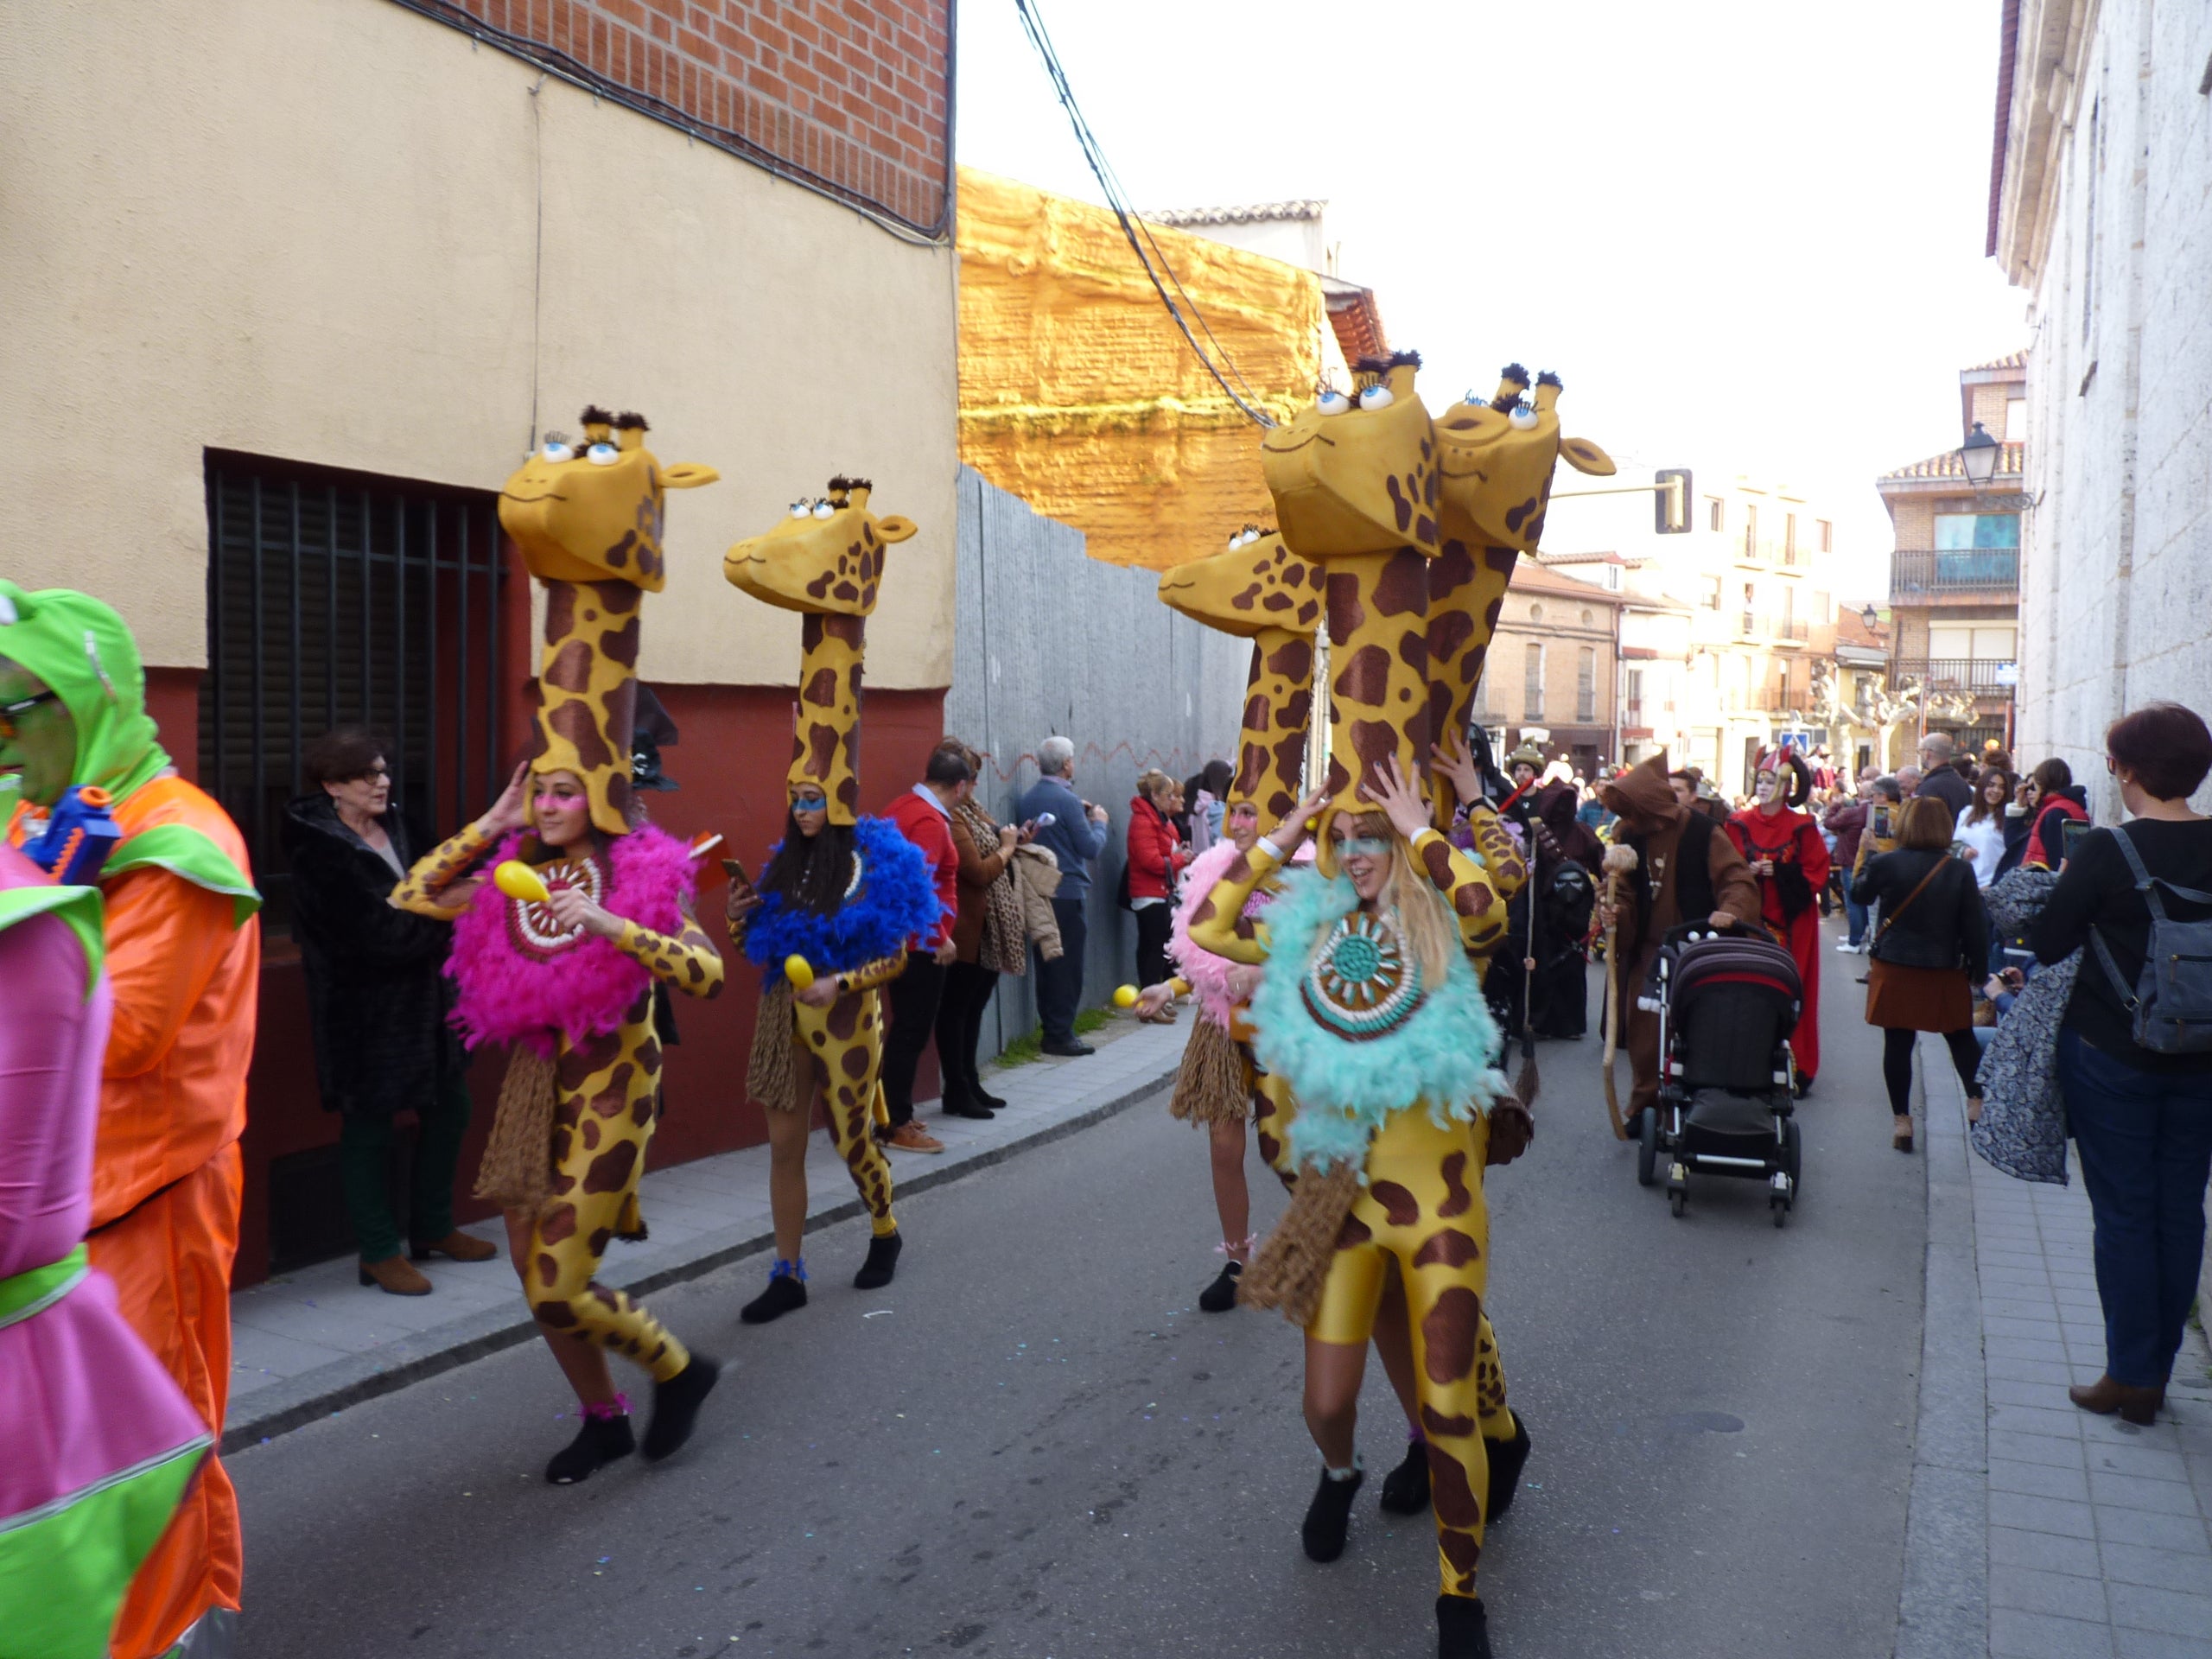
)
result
[(1075, 832)]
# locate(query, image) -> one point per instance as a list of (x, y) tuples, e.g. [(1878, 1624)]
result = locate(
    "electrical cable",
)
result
[(1116, 198)]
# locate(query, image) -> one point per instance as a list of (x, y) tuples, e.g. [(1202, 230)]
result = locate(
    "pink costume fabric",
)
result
[(83, 1399), (510, 994), (1207, 973)]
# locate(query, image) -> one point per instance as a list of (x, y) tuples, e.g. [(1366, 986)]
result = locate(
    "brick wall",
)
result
[(854, 94)]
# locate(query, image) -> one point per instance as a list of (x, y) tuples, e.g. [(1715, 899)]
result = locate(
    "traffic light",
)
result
[(1670, 501)]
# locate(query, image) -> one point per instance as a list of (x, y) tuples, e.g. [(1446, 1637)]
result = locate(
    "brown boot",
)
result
[(461, 1247), (395, 1276), (2105, 1396)]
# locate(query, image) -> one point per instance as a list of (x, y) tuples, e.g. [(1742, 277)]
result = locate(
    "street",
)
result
[(1032, 1444)]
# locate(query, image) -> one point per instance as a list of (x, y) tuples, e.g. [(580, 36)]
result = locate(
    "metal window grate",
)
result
[(349, 600)]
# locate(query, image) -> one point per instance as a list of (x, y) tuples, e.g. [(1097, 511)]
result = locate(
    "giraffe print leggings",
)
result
[(1422, 1217), (846, 1039)]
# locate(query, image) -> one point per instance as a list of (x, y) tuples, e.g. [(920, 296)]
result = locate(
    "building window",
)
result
[(1789, 537), (1824, 534), (1633, 693), (2016, 420), (1712, 593), (1716, 513), (1613, 578), (1589, 617), (1750, 608), (1536, 612), (344, 600), (1751, 530), (1532, 682), (1585, 684)]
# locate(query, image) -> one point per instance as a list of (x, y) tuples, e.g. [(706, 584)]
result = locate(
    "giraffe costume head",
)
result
[(1495, 460), (825, 559), (587, 518), (1258, 589), (1355, 486)]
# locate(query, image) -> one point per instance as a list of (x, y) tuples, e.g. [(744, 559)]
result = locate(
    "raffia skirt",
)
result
[(1936, 999)]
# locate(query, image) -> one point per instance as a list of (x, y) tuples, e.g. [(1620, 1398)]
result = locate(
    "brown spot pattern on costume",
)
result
[(1457, 1197), (1448, 1333), (1398, 1202)]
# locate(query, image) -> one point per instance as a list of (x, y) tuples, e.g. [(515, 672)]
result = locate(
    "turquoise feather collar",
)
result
[(1337, 1028)]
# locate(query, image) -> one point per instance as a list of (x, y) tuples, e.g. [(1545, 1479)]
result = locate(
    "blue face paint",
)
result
[(1362, 849)]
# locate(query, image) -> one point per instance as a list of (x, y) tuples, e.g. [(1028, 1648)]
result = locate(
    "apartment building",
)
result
[(1551, 675)]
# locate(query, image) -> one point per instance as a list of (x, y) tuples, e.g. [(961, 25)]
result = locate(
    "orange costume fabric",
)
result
[(167, 1176)]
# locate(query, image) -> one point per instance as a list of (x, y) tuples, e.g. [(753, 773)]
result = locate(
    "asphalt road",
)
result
[(1033, 1446)]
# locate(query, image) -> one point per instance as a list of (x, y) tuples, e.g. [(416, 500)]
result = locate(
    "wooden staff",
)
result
[(1620, 864)]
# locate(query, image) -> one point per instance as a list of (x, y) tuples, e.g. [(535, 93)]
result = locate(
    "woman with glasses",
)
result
[(376, 1006), (842, 899)]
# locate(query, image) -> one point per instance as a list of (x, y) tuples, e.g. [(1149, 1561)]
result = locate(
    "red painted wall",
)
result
[(735, 744)]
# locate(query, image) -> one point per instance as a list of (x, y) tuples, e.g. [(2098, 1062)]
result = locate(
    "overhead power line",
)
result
[(1138, 232)]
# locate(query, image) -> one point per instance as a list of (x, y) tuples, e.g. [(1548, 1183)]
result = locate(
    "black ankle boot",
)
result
[(787, 1293), (1221, 1295), (676, 1406), (1462, 1628), (1405, 1489), (882, 1262), (1507, 1460), (599, 1442), (1329, 1515), (984, 1095)]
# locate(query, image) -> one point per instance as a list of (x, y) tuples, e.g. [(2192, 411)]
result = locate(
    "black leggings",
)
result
[(1154, 924), (1896, 1064), (968, 989)]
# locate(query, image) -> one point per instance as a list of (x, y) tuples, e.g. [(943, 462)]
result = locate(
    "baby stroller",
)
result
[(1727, 1003)]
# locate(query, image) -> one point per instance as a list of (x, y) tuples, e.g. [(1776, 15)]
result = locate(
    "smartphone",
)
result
[(1958, 849), (2073, 832), (1881, 821), (734, 868)]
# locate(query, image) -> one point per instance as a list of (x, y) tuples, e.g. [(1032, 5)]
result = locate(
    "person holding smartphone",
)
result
[(2059, 801)]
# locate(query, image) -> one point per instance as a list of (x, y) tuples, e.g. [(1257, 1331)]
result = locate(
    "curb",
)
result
[(328, 1389)]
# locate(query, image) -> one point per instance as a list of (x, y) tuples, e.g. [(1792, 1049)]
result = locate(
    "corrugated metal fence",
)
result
[(1050, 642)]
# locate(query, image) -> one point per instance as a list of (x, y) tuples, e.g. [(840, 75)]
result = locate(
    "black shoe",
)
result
[(985, 1096), (1405, 1489), (1072, 1049), (1462, 1628), (1507, 1460), (676, 1406), (1221, 1295), (1329, 1515), (960, 1102), (787, 1293), (1804, 1087), (882, 1262), (599, 1442)]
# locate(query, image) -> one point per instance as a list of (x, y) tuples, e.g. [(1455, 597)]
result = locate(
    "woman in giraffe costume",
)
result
[(841, 897), (560, 964)]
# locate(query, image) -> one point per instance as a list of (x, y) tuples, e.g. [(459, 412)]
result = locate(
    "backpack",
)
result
[(2173, 999)]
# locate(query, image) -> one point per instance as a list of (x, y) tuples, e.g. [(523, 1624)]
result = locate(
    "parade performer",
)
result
[(183, 958), (1783, 849), (1687, 869), (1367, 1007), (102, 1444), (842, 897), (559, 955)]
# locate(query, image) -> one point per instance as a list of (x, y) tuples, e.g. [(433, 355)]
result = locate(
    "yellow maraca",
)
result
[(518, 881), (799, 971), (1125, 996)]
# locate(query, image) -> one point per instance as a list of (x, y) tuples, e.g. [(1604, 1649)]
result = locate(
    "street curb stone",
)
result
[(282, 1406)]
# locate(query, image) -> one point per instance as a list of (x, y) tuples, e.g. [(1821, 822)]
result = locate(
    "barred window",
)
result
[(1585, 684), (1532, 685), (343, 599)]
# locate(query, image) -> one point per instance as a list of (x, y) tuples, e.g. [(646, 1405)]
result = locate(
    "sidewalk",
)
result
[(2038, 1531), (310, 1343)]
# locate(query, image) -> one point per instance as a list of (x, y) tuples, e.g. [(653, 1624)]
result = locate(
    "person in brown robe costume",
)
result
[(1685, 868)]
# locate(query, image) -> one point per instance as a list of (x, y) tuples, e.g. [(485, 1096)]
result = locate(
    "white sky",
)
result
[(1742, 230)]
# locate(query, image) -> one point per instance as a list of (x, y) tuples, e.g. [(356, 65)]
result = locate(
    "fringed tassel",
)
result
[(1293, 1264), (517, 1172), (1213, 1086), (772, 1077)]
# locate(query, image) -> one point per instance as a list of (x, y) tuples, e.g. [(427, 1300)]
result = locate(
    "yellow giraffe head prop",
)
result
[(588, 517), (1496, 460), (825, 559), (1258, 589)]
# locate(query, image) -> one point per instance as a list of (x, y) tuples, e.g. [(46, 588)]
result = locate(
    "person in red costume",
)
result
[(1784, 849)]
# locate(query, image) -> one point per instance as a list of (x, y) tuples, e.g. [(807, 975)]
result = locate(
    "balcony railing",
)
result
[(1936, 573), (1800, 631), (1977, 675)]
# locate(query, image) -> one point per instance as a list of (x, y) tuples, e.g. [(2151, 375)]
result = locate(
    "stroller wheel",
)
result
[(1780, 1205), (1647, 1150), (1677, 1199)]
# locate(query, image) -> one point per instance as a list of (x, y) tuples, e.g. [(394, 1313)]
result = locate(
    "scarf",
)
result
[(1004, 947)]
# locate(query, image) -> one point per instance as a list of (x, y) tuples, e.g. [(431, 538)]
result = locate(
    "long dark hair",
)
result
[(1981, 810), (811, 873)]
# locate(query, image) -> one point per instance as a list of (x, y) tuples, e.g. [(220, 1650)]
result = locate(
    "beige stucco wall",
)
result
[(310, 229)]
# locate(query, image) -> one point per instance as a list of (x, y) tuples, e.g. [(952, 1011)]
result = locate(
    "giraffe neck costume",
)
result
[(1392, 1132), (575, 998), (825, 560)]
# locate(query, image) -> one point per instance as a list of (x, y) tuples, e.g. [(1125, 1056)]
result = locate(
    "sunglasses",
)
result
[(9, 710)]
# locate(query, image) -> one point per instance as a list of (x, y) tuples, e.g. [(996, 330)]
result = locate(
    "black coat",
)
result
[(377, 995), (1945, 927)]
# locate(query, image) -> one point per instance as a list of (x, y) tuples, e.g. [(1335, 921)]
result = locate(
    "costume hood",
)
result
[(1642, 793), (82, 649)]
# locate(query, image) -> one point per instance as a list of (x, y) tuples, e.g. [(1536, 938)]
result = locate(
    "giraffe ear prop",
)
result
[(686, 475), (896, 528), (1585, 457)]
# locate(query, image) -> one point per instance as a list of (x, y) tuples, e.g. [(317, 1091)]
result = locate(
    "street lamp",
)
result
[(1871, 617), (1978, 455)]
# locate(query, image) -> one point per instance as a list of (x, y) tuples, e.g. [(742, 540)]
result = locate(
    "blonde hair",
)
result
[(1425, 919), (1151, 781)]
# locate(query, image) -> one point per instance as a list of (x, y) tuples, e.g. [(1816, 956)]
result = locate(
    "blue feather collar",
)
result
[(895, 902)]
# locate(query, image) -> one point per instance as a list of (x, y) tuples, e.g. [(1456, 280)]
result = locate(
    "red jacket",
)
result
[(1157, 855), (928, 827)]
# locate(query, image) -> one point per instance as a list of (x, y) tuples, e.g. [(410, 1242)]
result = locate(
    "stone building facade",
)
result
[(1552, 668)]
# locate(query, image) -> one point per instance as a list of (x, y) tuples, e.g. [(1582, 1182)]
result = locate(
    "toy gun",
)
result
[(77, 838)]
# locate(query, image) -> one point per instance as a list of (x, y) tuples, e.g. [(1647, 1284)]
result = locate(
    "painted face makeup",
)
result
[(1362, 847), (1763, 790)]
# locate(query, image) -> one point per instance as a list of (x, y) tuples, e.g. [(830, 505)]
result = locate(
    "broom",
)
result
[(1620, 863), (1527, 1081)]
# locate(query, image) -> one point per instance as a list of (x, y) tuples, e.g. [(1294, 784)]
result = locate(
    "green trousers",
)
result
[(365, 1163)]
